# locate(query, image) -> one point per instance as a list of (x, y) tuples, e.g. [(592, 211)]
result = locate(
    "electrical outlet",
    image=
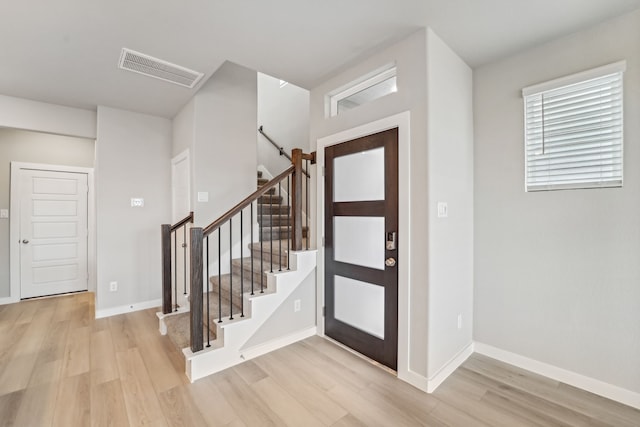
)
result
[(113, 286), (296, 305), (459, 321), (4, 213)]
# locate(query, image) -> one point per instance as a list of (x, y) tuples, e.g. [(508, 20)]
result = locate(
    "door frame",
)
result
[(14, 224), (402, 122)]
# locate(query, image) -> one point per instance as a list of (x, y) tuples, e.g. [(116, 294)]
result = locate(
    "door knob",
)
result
[(25, 241), (390, 262)]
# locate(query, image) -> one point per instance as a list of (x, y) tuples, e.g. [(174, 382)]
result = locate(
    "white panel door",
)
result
[(53, 232), (180, 186)]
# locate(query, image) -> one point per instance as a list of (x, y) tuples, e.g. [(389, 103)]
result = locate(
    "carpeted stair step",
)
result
[(279, 233), (178, 325), (270, 200), (231, 284), (259, 174), (266, 209), (244, 266), (275, 233), (257, 252), (262, 181), (276, 219)]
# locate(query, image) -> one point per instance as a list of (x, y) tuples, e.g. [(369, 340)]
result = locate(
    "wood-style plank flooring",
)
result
[(61, 367)]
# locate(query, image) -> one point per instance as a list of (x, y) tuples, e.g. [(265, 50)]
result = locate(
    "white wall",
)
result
[(410, 58), (450, 169), (24, 114), (33, 147), (434, 85), (133, 154), (183, 123), (285, 321), (557, 277), (284, 114), (224, 150)]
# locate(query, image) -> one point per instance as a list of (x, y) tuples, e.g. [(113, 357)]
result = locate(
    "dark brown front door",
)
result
[(361, 241)]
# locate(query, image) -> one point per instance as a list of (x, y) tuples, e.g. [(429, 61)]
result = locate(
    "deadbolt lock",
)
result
[(391, 241)]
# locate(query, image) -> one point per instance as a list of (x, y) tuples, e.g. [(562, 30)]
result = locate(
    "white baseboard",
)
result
[(9, 300), (260, 349), (114, 311), (443, 373), (589, 384), (418, 381)]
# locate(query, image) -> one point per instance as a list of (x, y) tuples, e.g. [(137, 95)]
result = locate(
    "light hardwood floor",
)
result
[(60, 367)]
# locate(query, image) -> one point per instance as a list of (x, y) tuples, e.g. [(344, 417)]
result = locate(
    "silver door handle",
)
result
[(25, 241), (390, 262)]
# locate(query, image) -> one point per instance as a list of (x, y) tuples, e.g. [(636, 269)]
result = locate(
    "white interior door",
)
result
[(53, 232), (180, 185)]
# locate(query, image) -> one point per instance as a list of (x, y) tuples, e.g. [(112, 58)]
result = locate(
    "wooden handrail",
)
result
[(280, 149), (186, 219), (284, 153), (246, 202)]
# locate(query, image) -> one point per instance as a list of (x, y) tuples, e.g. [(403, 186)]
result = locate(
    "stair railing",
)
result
[(215, 246), (281, 150), (172, 260)]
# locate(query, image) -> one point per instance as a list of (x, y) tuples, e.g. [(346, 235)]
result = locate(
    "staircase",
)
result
[(246, 297)]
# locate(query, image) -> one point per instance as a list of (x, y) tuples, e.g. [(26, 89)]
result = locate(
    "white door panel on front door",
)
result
[(359, 240), (53, 232)]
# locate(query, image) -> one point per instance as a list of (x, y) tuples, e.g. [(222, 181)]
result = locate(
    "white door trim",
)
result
[(402, 122), (14, 225)]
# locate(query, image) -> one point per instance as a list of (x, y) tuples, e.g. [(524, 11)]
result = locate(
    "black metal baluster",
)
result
[(208, 284), (289, 222), (230, 271), (241, 266), (175, 267), (219, 275), (251, 206), (307, 213), (261, 247), (184, 258), (280, 225), (271, 231)]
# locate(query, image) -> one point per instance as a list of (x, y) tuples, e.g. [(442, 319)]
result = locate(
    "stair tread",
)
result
[(178, 325)]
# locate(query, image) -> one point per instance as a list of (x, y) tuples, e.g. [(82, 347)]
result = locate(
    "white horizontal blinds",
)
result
[(574, 133)]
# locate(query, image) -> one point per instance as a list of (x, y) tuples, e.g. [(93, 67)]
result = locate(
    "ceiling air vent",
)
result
[(153, 67)]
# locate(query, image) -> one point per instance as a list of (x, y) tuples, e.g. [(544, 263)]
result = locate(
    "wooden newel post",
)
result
[(296, 200), (196, 296), (166, 268)]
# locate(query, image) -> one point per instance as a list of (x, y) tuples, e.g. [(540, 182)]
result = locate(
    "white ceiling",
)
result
[(66, 51)]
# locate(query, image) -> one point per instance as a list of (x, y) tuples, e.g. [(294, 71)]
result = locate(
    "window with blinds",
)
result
[(574, 131)]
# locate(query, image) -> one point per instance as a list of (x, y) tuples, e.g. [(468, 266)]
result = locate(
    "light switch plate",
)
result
[(443, 210), (137, 202), (4, 213), (203, 196)]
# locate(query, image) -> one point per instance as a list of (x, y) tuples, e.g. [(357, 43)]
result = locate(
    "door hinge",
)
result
[(323, 171), (324, 311), (322, 241)]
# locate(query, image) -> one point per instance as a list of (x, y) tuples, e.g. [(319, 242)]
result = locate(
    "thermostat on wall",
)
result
[(137, 202)]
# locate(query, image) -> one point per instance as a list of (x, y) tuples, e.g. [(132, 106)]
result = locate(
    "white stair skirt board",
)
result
[(583, 382), (228, 349), (122, 309)]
